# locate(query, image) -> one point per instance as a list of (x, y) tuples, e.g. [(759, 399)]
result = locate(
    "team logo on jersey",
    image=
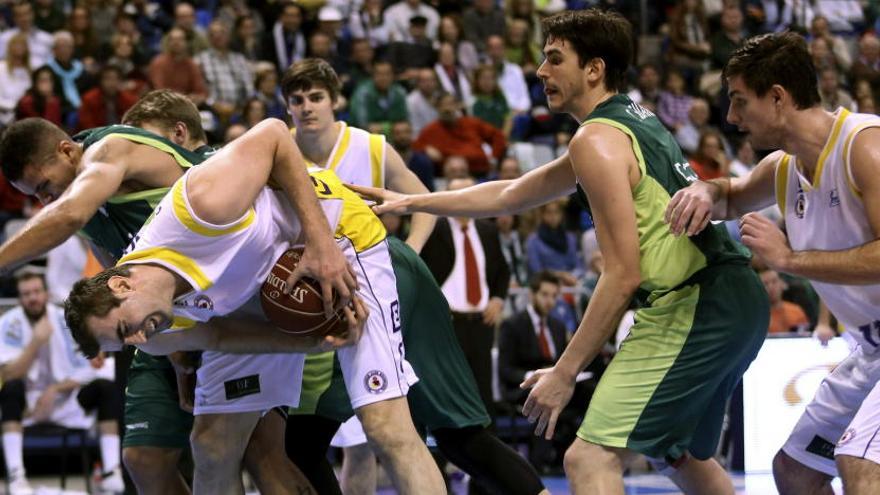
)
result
[(800, 205), (835, 198), (203, 302), (848, 435), (375, 382), (13, 335)]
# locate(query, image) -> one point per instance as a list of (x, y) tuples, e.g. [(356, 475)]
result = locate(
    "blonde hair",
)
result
[(19, 38)]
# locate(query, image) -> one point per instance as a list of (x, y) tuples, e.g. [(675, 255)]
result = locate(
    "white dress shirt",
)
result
[(455, 285)]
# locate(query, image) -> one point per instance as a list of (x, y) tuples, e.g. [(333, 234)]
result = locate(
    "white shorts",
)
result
[(375, 369), (238, 383), (843, 418), (350, 434)]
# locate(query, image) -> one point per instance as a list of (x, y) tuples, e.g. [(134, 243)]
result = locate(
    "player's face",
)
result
[(754, 115), (47, 180), (311, 110), (140, 316), (561, 74)]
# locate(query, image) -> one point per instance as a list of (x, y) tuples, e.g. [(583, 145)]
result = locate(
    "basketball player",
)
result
[(446, 400), (826, 180), (214, 240), (704, 311), (144, 166)]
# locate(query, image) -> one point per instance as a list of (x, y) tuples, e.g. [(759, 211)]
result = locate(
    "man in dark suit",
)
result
[(531, 340), (465, 257)]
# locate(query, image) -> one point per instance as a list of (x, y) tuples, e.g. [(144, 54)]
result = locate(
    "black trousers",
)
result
[(99, 395), (476, 339)]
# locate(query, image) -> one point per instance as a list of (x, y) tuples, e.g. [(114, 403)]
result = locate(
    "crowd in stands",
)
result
[(451, 83)]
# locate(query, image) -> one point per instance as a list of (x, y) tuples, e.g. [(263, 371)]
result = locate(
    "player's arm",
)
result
[(725, 198), (858, 265), (489, 199), (597, 152), (99, 180), (398, 177), (229, 182)]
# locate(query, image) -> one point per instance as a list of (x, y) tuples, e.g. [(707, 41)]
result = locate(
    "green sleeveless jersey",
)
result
[(120, 218), (666, 261)]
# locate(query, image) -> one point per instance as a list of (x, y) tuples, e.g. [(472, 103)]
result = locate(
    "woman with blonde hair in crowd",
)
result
[(15, 77)]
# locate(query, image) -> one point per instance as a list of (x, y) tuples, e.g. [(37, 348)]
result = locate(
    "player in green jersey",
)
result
[(704, 312)]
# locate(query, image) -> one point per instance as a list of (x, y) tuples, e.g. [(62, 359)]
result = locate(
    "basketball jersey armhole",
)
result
[(847, 157), (781, 181), (377, 159)]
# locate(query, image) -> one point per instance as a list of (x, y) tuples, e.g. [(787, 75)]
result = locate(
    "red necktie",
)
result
[(544, 341), (471, 276)]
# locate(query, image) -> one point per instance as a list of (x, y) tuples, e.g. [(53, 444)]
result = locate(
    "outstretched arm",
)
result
[(401, 179), (266, 152), (489, 199)]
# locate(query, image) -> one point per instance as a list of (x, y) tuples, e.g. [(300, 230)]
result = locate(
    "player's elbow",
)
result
[(625, 275)]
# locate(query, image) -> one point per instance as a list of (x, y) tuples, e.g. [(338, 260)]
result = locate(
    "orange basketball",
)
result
[(302, 311)]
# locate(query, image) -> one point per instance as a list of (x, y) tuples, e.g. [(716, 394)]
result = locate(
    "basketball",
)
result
[(302, 311)]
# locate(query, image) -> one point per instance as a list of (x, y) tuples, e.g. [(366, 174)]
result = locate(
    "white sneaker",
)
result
[(112, 482), (18, 484)]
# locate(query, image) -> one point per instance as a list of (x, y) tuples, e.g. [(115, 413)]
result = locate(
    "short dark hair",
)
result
[(776, 58), (165, 108), (542, 277), (91, 297), (27, 142), (310, 73), (26, 274), (595, 33)]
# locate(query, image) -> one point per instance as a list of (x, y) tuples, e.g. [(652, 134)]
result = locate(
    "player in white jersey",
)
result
[(206, 252), (826, 181)]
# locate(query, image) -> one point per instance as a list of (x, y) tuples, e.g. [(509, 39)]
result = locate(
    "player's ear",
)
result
[(181, 134), (119, 284)]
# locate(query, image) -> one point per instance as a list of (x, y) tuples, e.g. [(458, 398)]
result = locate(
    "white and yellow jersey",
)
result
[(358, 157), (349, 215), (828, 215)]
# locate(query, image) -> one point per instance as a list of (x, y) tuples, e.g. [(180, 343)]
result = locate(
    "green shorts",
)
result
[(153, 417), (666, 390), (446, 395)]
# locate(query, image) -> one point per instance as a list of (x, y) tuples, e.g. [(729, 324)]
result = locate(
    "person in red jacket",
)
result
[(40, 100), (456, 134), (106, 103)]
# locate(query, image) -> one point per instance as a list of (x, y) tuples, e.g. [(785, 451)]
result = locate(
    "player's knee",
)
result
[(149, 464), (784, 466), (585, 457), (210, 451), (792, 477)]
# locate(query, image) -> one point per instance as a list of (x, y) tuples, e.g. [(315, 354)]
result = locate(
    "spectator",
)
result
[(867, 64), (415, 53), (819, 28), (674, 103), (730, 37), (832, 95), (710, 161), (379, 102), (821, 53), (330, 23), (553, 248), (489, 103), (422, 101), (455, 167), (86, 45), (267, 91), (48, 15), (141, 51), (70, 74), (521, 49), (647, 90), (43, 374), (465, 52), (466, 260), (175, 69), (321, 45), (419, 163), (398, 15), (233, 132), (252, 113), (784, 316), (482, 20), (525, 10), (452, 77), (227, 74), (510, 76), (151, 21), (360, 66), (40, 100), (39, 41), (124, 56), (689, 39), (368, 23), (745, 160), (286, 43), (513, 249), (230, 11), (509, 169), (106, 103), (15, 77), (246, 39), (185, 19), (102, 14), (688, 135), (455, 134)]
